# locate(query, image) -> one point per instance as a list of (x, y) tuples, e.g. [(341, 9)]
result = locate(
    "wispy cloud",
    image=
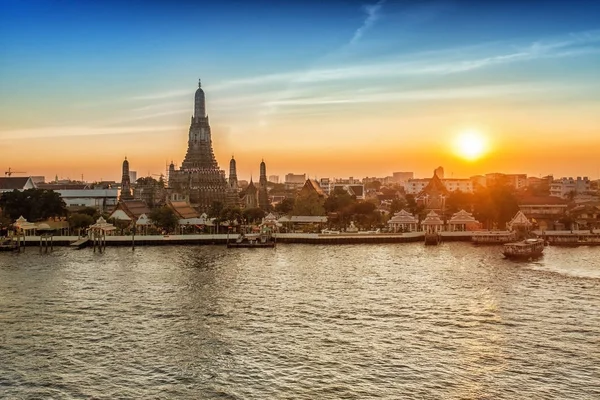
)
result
[(163, 95), (62, 131), (373, 14), (440, 62), (481, 91)]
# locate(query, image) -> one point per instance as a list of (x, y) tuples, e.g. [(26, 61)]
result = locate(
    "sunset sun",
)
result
[(470, 145)]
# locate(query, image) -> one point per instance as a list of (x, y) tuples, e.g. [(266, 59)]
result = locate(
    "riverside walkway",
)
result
[(306, 238), (208, 239)]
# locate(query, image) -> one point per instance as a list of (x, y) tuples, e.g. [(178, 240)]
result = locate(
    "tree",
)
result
[(397, 205), (164, 218), (215, 209), (252, 215), (231, 214), (339, 201), (285, 206), (33, 204), (373, 185), (364, 213), (495, 205), (458, 200), (308, 204), (80, 220), (411, 204)]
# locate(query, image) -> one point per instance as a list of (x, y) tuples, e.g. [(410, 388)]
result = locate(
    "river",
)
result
[(401, 321)]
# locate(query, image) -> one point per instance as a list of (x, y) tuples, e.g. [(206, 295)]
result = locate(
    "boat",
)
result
[(253, 240), (524, 249)]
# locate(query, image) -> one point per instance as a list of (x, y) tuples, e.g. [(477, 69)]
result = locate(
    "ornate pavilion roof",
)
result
[(435, 186), (462, 217), (432, 219), (519, 220), (403, 217)]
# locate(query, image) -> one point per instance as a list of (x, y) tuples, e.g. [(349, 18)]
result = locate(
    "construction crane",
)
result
[(10, 172)]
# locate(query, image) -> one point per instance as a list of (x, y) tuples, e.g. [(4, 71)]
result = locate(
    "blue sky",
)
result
[(382, 82)]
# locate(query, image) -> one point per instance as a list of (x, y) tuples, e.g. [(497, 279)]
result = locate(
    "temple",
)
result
[(125, 182), (199, 179)]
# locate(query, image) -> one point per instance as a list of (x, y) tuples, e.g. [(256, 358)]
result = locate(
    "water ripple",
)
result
[(300, 322)]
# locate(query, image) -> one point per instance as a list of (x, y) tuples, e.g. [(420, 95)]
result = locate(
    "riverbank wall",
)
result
[(554, 237), (222, 239)]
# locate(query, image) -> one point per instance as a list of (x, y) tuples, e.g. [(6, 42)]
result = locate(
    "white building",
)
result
[(463, 185), (354, 187), (81, 195), (274, 178), (100, 199), (564, 186), (295, 181), (402, 177), (415, 186), (517, 181)]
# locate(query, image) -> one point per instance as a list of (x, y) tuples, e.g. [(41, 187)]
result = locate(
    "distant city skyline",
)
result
[(335, 89)]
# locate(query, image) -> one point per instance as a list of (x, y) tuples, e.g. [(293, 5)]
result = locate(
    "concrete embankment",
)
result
[(221, 239)]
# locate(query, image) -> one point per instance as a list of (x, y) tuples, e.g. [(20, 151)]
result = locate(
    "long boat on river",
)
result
[(525, 249), (573, 239)]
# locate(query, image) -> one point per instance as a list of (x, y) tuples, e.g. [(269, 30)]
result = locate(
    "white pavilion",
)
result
[(519, 221), (463, 221), (432, 223), (403, 221)]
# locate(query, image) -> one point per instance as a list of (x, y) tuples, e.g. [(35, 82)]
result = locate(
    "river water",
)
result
[(300, 322)]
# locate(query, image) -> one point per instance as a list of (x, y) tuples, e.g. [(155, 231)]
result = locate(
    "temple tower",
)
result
[(263, 197), (250, 198), (125, 182), (233, 181), (199, 178)]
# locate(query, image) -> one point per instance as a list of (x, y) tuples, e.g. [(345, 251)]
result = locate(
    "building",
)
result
[(81, 195), (546, 211), (416, 186), (566, 187), (354, 187), (535, 182), (517, 181), (433, 196), (478, 181), (455, 185), (250, 196), (152, 192), (38, 179), (274, 179), (263, 196), (401, 177), (134, 209), (294, 181), (233, 180), (312, 186), (8, 184), (125, 182), (133, 176), (439, 171), (199, 178)]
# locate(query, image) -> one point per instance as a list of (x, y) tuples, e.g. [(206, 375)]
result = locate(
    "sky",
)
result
[(329, 89)]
